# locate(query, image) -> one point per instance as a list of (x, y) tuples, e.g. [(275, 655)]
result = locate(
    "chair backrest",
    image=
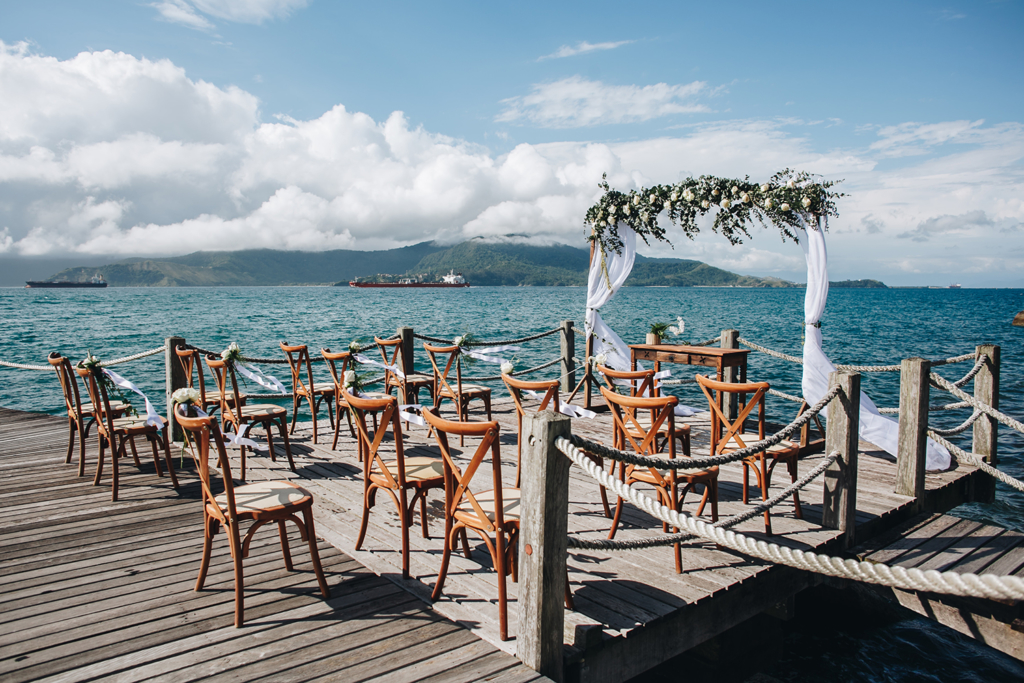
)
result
[(454, 354), (517, 386), (204, 431), (223, 371), (190, 360), (624, 410), (394, 347), (461, 480), (370, 444), (734, 429), (298, 356), (68, 383), (100, 401), (640, 382), (332, 359)]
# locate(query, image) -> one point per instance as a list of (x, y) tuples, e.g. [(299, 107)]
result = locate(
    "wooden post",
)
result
[(174, 376), (986, 390), (839, 507), (542, 544), (568, 352), (588, 369), (911, 454), (730, 340), (408, 350)]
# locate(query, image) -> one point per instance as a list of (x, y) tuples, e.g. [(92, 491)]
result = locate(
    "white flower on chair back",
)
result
[(187, 396), (507, 368)]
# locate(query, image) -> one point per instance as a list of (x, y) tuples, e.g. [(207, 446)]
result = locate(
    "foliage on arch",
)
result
[(737, 204)]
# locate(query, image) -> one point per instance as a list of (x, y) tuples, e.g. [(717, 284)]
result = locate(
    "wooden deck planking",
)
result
[(100, 590)]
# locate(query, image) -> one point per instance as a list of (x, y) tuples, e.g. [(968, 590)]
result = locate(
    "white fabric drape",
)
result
[(608, 271), (878, 429)]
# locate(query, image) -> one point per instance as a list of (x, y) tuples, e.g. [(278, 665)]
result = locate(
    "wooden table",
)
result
[(709, 357)]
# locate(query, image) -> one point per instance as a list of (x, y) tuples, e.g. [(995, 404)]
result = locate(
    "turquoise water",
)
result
[(859, 327)]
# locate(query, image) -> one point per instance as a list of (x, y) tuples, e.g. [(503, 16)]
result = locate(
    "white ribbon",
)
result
[(360, 358), (256, 375), (481, 354), (240, 440), (153, 418), (411, 417)]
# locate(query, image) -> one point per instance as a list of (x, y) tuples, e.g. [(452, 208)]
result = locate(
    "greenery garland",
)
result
[(737, 203)]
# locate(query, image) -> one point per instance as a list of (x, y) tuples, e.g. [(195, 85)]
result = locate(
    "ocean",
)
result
[(860, 326)]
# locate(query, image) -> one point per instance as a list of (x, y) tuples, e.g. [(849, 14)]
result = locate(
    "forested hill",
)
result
[(482, 262)]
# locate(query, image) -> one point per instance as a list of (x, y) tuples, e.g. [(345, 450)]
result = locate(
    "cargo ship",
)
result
[(452, 279), (94, 283)]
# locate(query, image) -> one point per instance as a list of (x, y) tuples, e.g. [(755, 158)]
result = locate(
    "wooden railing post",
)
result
[(730, 340), (911, 454), (408, 350), (542, 544), (568, 343), (841, 434), (588, 369), (986, 390), (174, 379)]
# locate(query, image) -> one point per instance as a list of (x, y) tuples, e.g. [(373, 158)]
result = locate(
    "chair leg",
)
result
[(135, 453), (268, 427), (236, 557), (99, 461), (618, 502), (793, 465), (204, 566), (295, 412), (765, 485), (312, 409), (368, 499), (115, 452), (282, 531), (445, 557), (71, 440), (423, 515), (151, 438), (314, 553), (287, 445), (405, 521), (603, 491), (499, 553), (465, 544), (746, 483), (337, 428)]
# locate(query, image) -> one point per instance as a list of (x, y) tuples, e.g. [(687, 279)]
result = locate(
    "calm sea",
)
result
[(859, 327)]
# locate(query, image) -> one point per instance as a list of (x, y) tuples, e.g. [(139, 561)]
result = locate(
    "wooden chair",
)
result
[(460, 394), (81, 416), (548, 400), (644, 441), (191, 364), (314, 392), (263, 414), (641, 383), (119, 433), (261, 503), (338, 377), (409, 386), (398, 476), (736, 437), (490, 512)]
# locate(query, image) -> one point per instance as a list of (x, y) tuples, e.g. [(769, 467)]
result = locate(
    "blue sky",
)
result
[(216, 123)]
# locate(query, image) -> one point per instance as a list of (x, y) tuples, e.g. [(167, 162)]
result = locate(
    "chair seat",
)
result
[(418, 468), (266, 496), (509, 501), (89, 409), (466, 389), (130, 424), (262, 410), (214, 395), (781, 449), (318, 388), (645, 475), (413, 379)]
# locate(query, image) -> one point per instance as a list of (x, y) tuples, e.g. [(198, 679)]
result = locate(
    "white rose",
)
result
[(745, 198), (636, 200), (675, 196), (768, 203), (507, 368), (604, 224), (784, 207), (186, 395), (628, 210), (735, 190), (725, 203), (350, 378), (791, 183), (806, 201), (458, 340), (653, 198), (706, 204), (668, 206), (688, 195), (715, 192), (612, 209), (765, 187)]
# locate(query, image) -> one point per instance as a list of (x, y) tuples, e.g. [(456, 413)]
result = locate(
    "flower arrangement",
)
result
[(737, 204), (232, 353), (507, 368), (188, 397), (95, 366), (661, 330)]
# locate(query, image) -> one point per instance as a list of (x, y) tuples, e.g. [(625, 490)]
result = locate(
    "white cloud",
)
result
[(941, 225), (180, 12), (583, 47), (576, 102), (190, 13)]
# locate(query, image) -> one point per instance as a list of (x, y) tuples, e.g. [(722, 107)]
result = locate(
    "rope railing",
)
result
[(850, 368), (963, 427), (788, 397), (516, 373), (707, 461), (116, 361), (971, 585), (948, 406), (765, 350), (943, 383), (24, 366), (976, 460), (672, 539), (281, 361), (500, 342)]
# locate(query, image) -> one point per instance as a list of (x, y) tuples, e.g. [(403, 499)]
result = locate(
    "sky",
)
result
[(166, 127)]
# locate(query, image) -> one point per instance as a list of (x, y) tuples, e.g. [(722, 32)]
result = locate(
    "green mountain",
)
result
[(481, 261)]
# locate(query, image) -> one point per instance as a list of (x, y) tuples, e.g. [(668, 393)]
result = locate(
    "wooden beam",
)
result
[(174, 379), (839, 505), (913, 435), (408, 350), (542, 543), (568, 347), (730, 340), (986, 390)]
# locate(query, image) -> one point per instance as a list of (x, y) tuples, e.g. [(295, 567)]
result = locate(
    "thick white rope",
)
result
[(137, 356), (972, 585), (1003, 418), (23, 366), (769, 352), (977, 461), (948, 406)]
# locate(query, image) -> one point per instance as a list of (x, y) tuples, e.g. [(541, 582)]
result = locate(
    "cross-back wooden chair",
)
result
[(192, 365), (641, 383), (118, 433), (338, 376), (643, 439), (398, 476), (314, 392), (81, 416), (261, 503), (263, 414), (459, 393), (736, 436), (408, 386)]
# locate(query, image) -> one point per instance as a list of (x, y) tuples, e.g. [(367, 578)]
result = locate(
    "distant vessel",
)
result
[(95, 282), (452, 279), (955, 285)]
